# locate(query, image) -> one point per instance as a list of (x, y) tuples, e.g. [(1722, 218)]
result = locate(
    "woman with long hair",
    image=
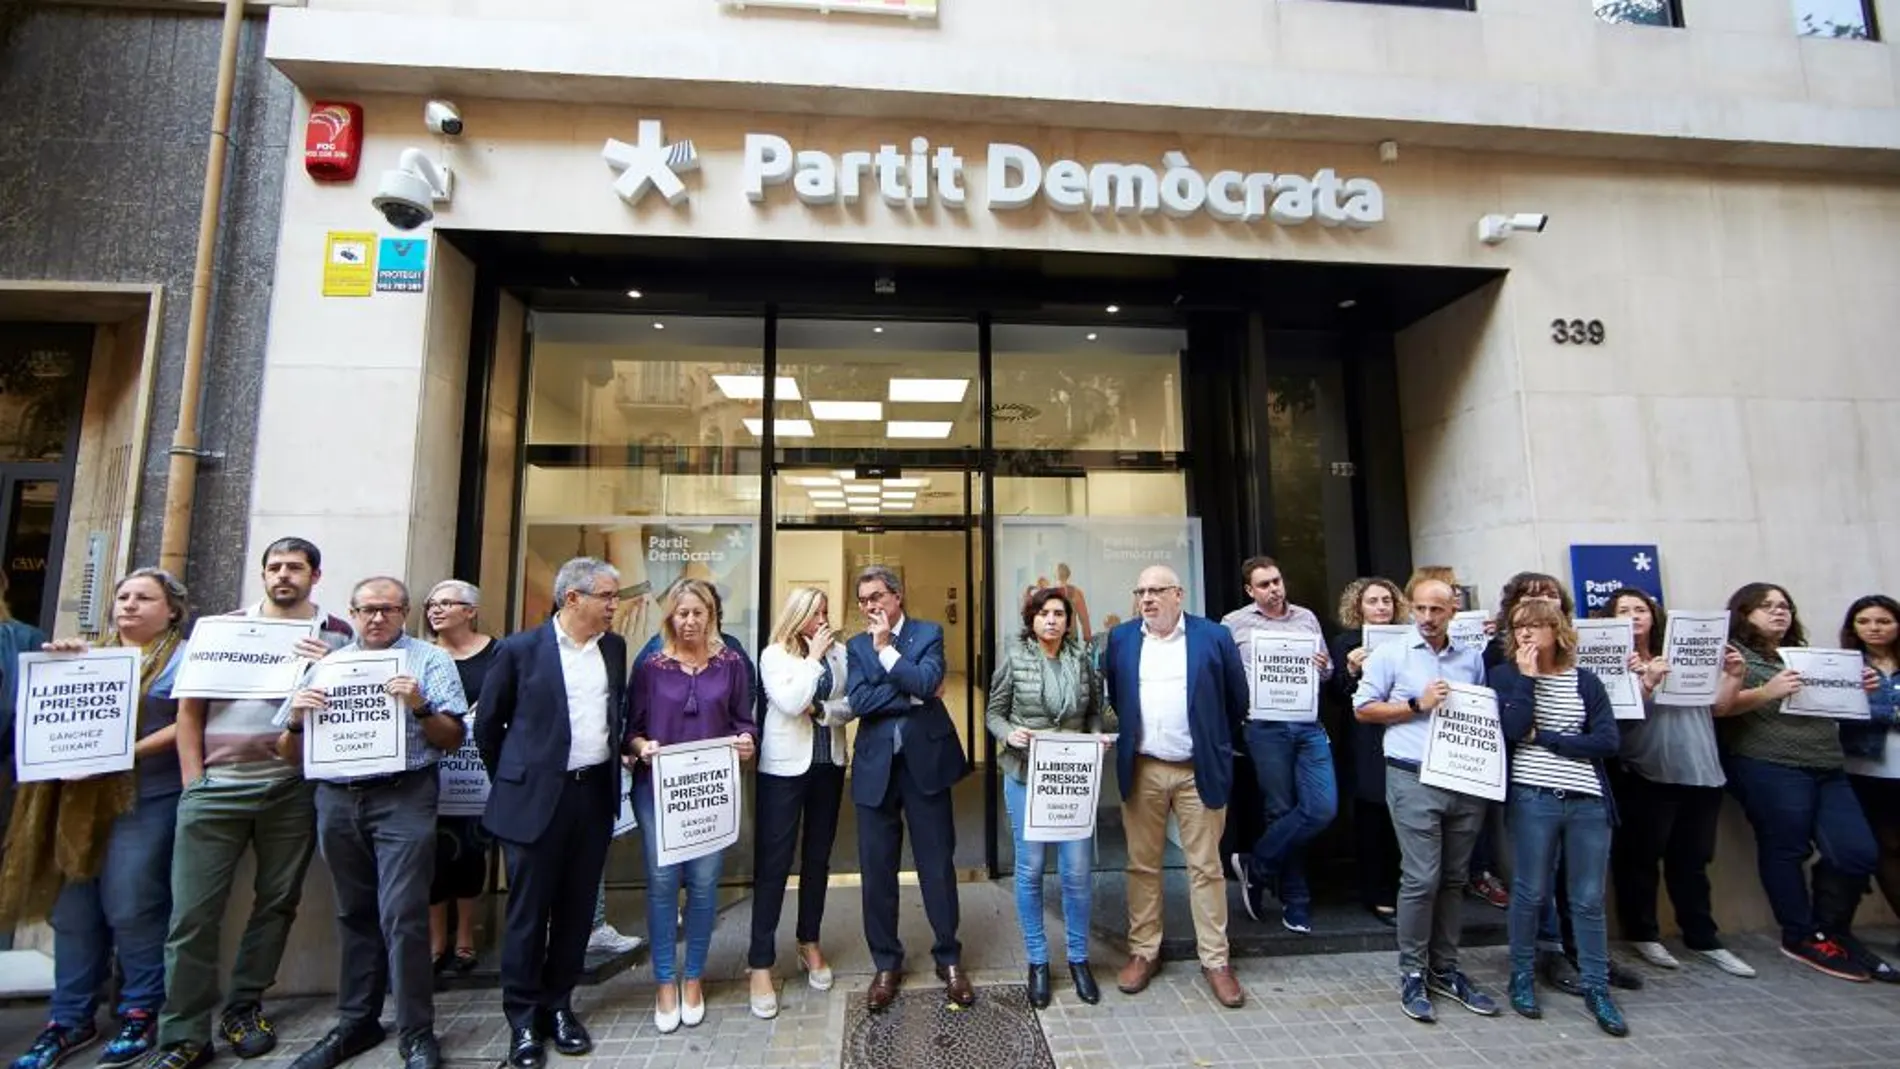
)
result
[(1370, 600), (95, 855), (1044, 682), (694, 687), (1789, 774), (1872, 626), (800, 782), (1668, 779), (461, 844), (1560, 729)]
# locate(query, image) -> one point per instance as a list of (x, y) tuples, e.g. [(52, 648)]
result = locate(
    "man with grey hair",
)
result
[(550, 733), (905, 761)]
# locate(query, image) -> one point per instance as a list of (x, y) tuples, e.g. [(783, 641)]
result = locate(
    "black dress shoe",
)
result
[(1039, 986), (340, 1044), (1084, 978), (1625, 979), (422, 1052), (570, 1035), (525, 1050)]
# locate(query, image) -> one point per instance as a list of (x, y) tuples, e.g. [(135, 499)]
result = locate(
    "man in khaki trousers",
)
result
[(1177, 683)]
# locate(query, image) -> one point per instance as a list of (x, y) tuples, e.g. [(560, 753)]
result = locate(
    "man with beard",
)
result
[(239, 794)]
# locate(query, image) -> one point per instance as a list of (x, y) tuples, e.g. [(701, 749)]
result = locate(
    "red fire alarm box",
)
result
[(333, 141)]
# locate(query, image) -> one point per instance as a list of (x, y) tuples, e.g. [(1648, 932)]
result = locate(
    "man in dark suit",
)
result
[(906, 759), (1177, 682), (550, 734)]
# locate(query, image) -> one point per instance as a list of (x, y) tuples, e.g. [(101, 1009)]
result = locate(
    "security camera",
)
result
[(1493, 229), (1531, 221), (442, 117), (407, 196)]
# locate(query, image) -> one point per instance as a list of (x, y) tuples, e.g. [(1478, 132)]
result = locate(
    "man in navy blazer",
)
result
[(1177, 683), (905, 761), (550, 734)]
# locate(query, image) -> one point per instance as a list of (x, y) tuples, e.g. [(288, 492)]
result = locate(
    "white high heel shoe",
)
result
[(668, 1021), (690, 1014), (764, 1007), (820, 979)]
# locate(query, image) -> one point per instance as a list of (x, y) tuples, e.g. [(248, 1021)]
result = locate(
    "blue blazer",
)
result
[(522, 732), (880, 700), (1217, 703)]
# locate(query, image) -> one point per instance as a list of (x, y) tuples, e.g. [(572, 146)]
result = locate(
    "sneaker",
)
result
[(1604, 1009), (1725, 960), (1413, 999), (1524, 995), (246, 1030), (1251, 890), (1875, 966), (55, 1044), (607, 939), (1458, 987), (1825, 955), (1490, 889), (1297, 917), (1656, 954), (138, 1034), (184, 1054)]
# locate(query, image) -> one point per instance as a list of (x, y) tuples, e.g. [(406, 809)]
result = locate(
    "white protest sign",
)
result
[(1693, 644), (1467, 630), (77, 713), (236, 657), (1464, 744), (625, 821), (1604, 647), (1284, 682), (1376, 635), (463, 781), (1830, 683), (1065, 779), (362, 729), (695, 799)]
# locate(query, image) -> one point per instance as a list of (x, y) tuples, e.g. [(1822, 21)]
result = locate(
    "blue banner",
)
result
[(1596, 571), (401, 264)]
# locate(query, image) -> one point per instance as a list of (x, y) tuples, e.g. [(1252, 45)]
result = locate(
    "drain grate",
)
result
[(920, 1031)]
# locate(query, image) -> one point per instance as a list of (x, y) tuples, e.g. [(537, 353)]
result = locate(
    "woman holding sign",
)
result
[(1873, 753), (461, 857), (695, 687), (1045, 682), (98, 850), (1560, 727), (1788, 773), (1376, 603)]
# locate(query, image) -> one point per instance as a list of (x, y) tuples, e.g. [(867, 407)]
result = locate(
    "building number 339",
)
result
[(1576, 332)]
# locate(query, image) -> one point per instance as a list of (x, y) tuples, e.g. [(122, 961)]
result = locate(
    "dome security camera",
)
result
[(442, 117), (407, 196)]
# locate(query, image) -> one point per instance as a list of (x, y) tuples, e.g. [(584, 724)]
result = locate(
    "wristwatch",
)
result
[(1412, 703), (295, 727), (423, 711)]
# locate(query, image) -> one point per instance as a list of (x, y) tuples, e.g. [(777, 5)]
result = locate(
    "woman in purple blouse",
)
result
[(694, 688)]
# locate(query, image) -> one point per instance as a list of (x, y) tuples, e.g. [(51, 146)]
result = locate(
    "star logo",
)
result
[(1642, 561), (650, 163)]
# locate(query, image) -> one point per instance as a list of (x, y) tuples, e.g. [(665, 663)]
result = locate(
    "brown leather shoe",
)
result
[(883, 990), (1134, 977), (1227, 989), (956, 984)]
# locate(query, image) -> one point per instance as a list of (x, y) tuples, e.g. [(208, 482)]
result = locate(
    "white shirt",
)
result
[(584, 673), (1164, 704)]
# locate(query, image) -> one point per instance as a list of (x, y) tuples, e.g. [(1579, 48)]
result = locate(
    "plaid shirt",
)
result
[(434, 670)]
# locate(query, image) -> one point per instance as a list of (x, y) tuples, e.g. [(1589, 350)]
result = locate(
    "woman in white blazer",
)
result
[(801, 778)]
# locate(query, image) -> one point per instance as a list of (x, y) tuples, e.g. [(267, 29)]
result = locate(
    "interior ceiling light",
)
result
[(900, 495), (848, 411), (929, 391), (1092, 335), (861, 488), (877, 330), (1113, 309), (814, 480), (912, 484), (782, 428), (635, 294), (1349, 303), (659, 326), (861, 509), (752, 388), (917, 428), (900, 506)]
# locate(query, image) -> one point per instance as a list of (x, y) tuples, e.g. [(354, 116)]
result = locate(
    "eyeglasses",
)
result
[(872, 599), (1153, 591), (431, 606), (610, 596), (371, 612)]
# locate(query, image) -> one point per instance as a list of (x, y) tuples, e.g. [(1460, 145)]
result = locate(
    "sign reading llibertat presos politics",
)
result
[(916, 175), (1095, 561), (462, 779), (1376, 635), (695, 799), (76, 713), (1693, 644), (239, 657), (1467, 630), (1596, 572), (1604, 647), (362, 730), (1284, 683), (1064, 782), (1830, 683), (1464, 749)]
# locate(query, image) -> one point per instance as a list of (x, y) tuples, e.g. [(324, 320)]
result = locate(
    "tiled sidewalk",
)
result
[(1333, 1011)]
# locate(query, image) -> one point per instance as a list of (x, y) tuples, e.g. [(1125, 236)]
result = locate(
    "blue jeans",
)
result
[(1293, 763), (126, 910), (1075, 861), (1794, 810), (701, 877), (1541, 824)]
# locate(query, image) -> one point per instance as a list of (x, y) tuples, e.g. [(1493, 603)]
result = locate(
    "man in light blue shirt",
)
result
[(1401, 683)]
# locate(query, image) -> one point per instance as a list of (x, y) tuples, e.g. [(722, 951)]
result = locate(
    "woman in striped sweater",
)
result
[(1560, 728)]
